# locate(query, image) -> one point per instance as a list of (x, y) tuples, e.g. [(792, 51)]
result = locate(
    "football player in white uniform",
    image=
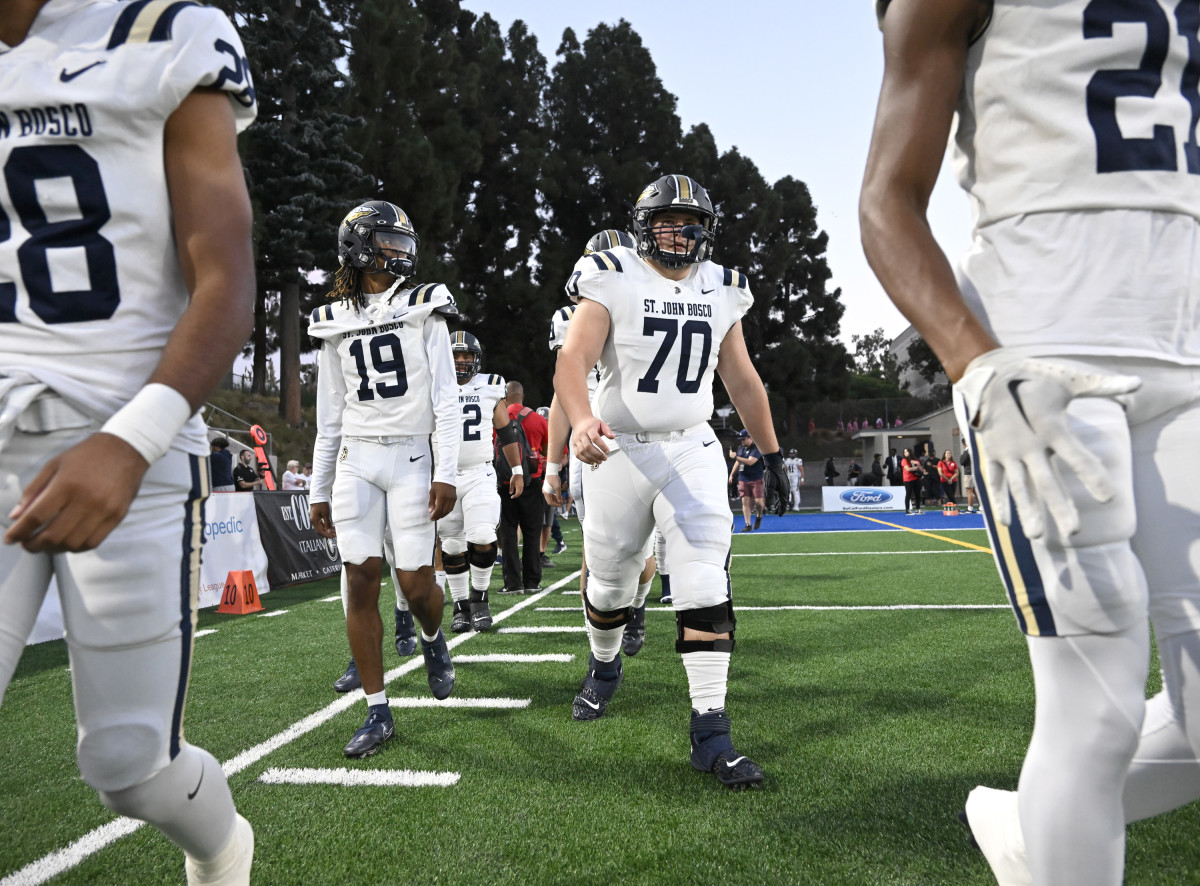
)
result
[(385, 386), (126, 290), (1073, 340), (795, 471), (468, 533), (660, 319)]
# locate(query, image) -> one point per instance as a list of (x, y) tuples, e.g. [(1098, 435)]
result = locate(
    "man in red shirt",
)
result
[(523, 574)]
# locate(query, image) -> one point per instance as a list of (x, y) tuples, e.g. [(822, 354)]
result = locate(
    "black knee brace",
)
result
[(717, 619), (605, 619), (454, 564), (481, 556)]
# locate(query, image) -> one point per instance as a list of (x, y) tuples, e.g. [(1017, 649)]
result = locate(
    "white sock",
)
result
[(458, 585), (708, 677), (439, 578), (643, 591), (481, 577), (427, 638), (606, 644), (375, 698)]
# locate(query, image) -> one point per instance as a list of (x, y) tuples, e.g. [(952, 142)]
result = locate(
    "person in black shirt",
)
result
[(751, 485), (245, 476), (220, 465)]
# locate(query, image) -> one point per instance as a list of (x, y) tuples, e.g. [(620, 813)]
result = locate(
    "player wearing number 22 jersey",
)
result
[(1072, 334), (126, 290), (660, 320)]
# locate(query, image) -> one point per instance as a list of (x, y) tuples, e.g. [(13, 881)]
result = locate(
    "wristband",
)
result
[(518, 470), (150, 421), (771, 459), (547, 488), (553, 467)]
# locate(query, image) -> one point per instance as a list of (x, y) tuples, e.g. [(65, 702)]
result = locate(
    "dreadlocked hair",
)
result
[(346, 288)]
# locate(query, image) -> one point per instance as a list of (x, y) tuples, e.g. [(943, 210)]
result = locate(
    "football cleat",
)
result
[(348, 681), (635, 631), (511, 591), (713, 751), (596, 692), (547, 563), (461, 622), (231, 867), (438, 667), (481, 615), (666, 599), (373, 733), (560, 548), (995, 825), (406, 633)]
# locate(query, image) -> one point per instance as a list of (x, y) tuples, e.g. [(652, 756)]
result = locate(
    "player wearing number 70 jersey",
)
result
[(660, 320), (387, 441), (1072, 334)]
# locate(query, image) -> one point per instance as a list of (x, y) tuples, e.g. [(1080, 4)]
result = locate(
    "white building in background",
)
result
[(910, 378)]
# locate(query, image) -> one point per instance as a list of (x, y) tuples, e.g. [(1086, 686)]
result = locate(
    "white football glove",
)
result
[(1018, 406)]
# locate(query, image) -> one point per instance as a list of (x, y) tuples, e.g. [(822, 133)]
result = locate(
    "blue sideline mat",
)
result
[(868, 521)]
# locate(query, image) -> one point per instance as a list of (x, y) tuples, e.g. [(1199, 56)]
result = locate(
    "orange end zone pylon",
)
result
[(241, 594)]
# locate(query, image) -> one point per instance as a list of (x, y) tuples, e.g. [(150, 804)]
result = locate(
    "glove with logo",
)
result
[(777, 484), (1018, 407)]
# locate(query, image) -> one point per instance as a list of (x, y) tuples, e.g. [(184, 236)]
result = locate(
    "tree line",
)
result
[(507, 163)]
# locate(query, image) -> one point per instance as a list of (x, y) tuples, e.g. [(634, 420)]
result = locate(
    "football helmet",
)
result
[(558, 326), (465, 343), (677, 193), (368, 230), (607, 240), (792, 453)]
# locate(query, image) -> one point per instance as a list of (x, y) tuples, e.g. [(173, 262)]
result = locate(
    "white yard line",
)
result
[(64, 859), (569, 629), (205, 633), (275, 613), (405, 778), (770, 609), (862, 553)]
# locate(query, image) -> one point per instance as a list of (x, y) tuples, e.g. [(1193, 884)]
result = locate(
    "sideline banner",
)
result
[(861, 498), (231, 543), (295, 553)]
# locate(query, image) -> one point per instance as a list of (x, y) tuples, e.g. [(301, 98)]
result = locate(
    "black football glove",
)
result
[(777, 484)]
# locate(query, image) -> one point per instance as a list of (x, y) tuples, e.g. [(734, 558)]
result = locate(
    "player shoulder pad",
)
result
[(606, 260), (495, 380), (146, 21), (558, 326), (331, 320), (434, 297), (736, 279)]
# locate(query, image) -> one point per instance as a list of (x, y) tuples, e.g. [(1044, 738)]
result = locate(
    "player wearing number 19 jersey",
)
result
[(387, 441), (1072, 334), (660, 320), (126, 290)]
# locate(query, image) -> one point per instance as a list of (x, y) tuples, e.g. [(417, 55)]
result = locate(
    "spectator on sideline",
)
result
[(748, 465), (522, 566), (245, 475), (911, 474), (875, 472), (891, 466), (948, 472), (968, 478), (831, 471), (220, 465), (292, 478), (308, 474), (853, 472)]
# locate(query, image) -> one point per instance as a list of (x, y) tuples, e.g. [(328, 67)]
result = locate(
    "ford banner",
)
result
[(862, 498)]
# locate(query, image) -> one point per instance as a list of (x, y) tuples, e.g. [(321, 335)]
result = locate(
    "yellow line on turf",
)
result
[(953, 541)]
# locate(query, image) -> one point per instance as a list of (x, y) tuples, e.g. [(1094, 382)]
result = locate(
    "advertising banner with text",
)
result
[(862, 498), (295, 553)]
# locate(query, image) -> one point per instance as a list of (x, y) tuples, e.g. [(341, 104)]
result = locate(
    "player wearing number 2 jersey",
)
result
[(660, 320), (1073, 338), (385, 390), (126, 290)]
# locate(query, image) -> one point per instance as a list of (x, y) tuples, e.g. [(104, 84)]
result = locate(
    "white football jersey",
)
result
[(1081, 105), (90, 284), (657, 365), (387, 371), (794, 467), (559, 324), (477, 401)]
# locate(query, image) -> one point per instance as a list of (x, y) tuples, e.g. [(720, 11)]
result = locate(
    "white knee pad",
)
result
[(698, 584), (454, 546), (482, 535), (616, 589), (120, 755)]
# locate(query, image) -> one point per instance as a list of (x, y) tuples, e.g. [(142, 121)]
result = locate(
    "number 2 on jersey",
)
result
[(648, 384), (381, 365), (1115, 152), (472, 419)]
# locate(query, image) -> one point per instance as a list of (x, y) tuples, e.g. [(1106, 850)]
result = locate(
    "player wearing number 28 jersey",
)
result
[(1072, 333), (126, 290)]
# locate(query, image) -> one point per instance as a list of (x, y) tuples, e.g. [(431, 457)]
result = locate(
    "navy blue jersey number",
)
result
[(472, 419), (26, 167), (692, 329), (1115, 152), (392, 362)]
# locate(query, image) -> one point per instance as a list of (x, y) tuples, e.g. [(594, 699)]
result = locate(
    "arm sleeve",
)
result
[(331, 398), (443, 386)]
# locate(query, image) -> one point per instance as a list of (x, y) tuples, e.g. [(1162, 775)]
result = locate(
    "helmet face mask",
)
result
[(468, 356), (692, 219), (378, 238)]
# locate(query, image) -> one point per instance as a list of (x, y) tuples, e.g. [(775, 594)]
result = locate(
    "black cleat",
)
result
[(596, 692), (348, 681), (757, 522), (635, 632), (461, 622), (962, 816), (438, 666), (481, 615), (370, 738), (406, 633), (713, 751)]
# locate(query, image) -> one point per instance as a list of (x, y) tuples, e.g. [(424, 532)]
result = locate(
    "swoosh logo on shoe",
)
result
[(200, 782), (733, 763), (66, 77), (595, 706), (415, 458)]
